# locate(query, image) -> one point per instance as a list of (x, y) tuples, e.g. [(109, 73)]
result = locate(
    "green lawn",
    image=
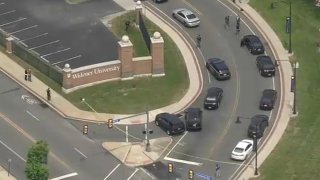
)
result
[(297, 156)]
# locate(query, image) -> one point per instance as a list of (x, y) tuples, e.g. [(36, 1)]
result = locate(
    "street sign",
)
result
[(204, 176)]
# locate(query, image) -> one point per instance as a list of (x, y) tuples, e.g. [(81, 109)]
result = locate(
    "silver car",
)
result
[(187, 17)]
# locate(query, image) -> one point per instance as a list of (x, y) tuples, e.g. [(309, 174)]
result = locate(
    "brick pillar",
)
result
[(138, 10), (9, 44), (125, 53), (157, 53), (66, 78)]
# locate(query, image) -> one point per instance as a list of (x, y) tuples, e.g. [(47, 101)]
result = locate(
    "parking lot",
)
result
[(61, 33)]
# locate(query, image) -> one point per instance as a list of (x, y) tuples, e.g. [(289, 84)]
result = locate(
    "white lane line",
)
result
[(2, 3), (147, 173), (69, 59), (80, 152), (7, 12), (34, 26), (111, 172), (65, 176), (44, 34), (127, 134), (177, 143), (12, 151), (135, 171), (32, 115), (183, 161), (192, 7), (236, 14), (55, 52), (11, 22), (45, 44)]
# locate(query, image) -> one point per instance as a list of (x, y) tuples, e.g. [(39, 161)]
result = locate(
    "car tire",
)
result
[(168, 132), (260, 71), (245, 157), (185, 24), (157, 123)]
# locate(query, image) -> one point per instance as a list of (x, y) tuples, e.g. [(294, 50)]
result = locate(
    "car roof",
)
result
[(264, 58), (219, 63), (171, 117), (269, 92), (193, 110), (184, 11), (243, 144), (214, 90), (258, 118)]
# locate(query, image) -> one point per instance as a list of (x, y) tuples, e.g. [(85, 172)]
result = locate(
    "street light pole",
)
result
[(255, 144), (147, 132), (295, 67), (290, 32), (9, 166)]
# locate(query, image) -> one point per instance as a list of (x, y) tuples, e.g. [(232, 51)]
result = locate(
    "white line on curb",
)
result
[(111, 171), (176, 143), (183, 161), (135, 171), (65, 176)]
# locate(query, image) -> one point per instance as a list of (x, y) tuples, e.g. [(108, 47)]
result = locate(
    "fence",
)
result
[(144, 31)]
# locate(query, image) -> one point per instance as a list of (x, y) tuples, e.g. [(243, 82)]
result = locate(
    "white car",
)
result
[(242, 150), (186, 17)]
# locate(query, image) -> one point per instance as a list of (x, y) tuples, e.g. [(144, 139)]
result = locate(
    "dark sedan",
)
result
[(268, 99), (159, 1), (265, 66), (193, 118), (213, 98), (218, 68), (258, 125), (253, 44)]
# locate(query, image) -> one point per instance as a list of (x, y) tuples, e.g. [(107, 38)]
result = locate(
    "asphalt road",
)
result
[(62, 33), (24, 119)]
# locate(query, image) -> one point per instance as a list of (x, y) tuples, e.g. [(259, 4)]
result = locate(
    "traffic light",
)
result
[(110, 123), (85, 129), (288, 25), (191, 175), (170, 167), (293, 84)]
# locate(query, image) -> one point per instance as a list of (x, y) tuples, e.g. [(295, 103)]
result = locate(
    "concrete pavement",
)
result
[(4, 175)]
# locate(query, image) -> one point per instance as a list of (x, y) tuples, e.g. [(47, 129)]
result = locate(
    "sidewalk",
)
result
[(68, 110), (4, 175), (286, 101)]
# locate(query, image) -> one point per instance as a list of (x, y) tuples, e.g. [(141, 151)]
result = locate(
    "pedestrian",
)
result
[(29, 75), (237, 29), (127, 23), (242, 43), (218, 170), (26, 74), (198, 40), (48, 94), (227, 22), (238, 19)]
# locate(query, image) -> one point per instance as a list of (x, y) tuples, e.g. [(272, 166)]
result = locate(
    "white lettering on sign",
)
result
[(95, 72)]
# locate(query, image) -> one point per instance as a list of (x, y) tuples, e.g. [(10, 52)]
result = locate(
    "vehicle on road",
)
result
[(186, 17), (213, 98), (265, 66), (253, 44), (242, 150), (193, 118), (218, 68), (159, 1), (170, 123), (268, 99), (258, 125)]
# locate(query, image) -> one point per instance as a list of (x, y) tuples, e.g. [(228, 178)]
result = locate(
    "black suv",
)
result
[(253, 44), (213, 98), (265, 66), (258, 124), (269, 97), (170, 123), (193, 118), (218, 68)]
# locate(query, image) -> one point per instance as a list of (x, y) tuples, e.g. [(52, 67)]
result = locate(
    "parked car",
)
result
[(213, 98), (170, 123), (242, 150), (159, 1), (265, 66), (193, 118), (258, 125), (186, 17), (218, 68), (253, 44), (268, 99)]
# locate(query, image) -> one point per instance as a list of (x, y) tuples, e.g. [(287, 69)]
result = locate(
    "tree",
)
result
[(36, 168)]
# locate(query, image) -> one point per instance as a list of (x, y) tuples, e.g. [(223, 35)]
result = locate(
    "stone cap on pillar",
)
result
[(138, 5), (10, 38), (125, 41), (156, 38), (67, 68)]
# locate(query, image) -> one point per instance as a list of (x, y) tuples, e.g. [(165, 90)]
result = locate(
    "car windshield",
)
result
[(191, 16), (268, 66), (238, 150), (211, 99), (193, 116), (221, 66)]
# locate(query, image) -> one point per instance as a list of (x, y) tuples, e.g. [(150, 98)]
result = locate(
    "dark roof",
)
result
[(214, 90), (171, 117), (258, 119), (220, 64)]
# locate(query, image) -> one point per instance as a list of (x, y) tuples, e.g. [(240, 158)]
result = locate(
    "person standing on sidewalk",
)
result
[(199, 41), (48, 94), (218, 170), (227, 22), (29, 75), (26, 74)]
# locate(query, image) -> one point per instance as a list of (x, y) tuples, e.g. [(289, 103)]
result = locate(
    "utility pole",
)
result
[(9, 166), (147, 132)]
